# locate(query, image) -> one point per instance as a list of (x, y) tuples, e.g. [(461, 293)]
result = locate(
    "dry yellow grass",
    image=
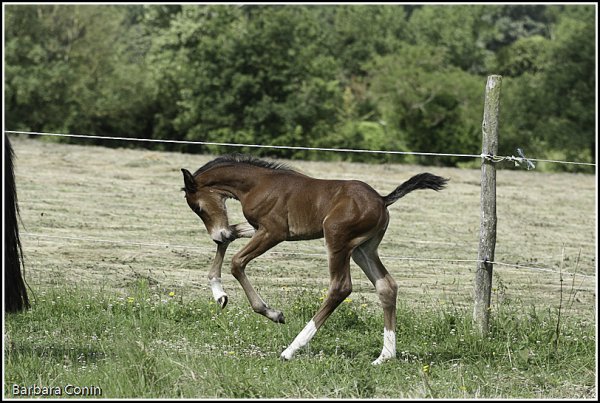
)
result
[(106, 217)]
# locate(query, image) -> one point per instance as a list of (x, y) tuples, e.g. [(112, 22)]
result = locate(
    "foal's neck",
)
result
[(234, 182)]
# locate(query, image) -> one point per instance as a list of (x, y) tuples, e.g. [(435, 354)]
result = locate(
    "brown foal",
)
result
[(281, 204)]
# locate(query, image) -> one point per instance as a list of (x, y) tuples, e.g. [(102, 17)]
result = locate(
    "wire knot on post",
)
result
[(517, 160)]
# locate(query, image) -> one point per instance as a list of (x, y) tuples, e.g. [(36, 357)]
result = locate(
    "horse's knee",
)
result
[(345, 291), (387, 290), (339, 292)]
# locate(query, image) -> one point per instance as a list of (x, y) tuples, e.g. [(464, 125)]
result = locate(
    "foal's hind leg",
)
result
[(367, 258), (340, 287), (259, 244)]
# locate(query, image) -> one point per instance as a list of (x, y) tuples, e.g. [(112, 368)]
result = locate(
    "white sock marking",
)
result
[(217, 289), (301, 340), (389, 347)]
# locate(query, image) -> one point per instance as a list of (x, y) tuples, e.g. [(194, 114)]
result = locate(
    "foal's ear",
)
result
[(188, 180)]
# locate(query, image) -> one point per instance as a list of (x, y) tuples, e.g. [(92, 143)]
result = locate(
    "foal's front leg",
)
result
[(259, 244), (214, 275), (243, 230)]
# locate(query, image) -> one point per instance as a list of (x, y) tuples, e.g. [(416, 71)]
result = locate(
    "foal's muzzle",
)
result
[(221, 236)]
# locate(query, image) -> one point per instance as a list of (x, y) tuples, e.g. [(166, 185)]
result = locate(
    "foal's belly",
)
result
[(305, 218), (296, 235)]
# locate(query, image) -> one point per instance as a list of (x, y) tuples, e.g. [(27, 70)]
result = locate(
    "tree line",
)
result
[(381, 77)]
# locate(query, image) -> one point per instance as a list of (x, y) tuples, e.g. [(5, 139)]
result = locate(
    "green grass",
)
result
[(148, 342)]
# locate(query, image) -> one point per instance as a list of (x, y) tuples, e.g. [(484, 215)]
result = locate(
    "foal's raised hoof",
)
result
[(275, 316), (280, 318), (222, 301)]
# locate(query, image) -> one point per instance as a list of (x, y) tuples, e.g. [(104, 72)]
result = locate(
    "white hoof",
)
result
[(389, 347), (287, 354), (382, 358)]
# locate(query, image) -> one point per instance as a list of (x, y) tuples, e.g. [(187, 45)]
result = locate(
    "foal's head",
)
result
[(209, 205)]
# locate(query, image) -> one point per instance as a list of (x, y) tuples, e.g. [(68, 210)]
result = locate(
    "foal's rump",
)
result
[(316, 206)]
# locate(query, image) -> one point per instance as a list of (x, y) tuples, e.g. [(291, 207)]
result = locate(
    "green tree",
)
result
[(550, 107), (38, 54), (111, 93), (362, 32), (251, 75), (522, 56), (389, 77), (426, 106), (506, 24), (76, 69), (569, 84), (454, 29)]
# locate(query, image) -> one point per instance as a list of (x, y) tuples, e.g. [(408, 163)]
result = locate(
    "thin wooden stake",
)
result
[(487, 237)]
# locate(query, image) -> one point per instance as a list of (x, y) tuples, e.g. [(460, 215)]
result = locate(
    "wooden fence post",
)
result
[(487, 234)]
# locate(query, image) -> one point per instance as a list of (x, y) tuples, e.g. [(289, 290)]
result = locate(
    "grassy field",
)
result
[(117, 266)]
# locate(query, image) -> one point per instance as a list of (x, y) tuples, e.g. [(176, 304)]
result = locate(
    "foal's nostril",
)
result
[(221, 236)]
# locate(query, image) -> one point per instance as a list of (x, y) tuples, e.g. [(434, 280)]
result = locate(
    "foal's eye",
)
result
[(195, 206)]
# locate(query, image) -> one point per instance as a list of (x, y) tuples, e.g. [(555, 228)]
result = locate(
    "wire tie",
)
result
[(530, 165)]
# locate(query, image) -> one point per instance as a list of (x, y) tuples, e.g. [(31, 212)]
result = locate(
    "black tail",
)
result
[(15, 293), (420, 181)]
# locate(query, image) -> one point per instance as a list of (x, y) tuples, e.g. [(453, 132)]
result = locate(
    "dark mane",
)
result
[(242, 159)]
